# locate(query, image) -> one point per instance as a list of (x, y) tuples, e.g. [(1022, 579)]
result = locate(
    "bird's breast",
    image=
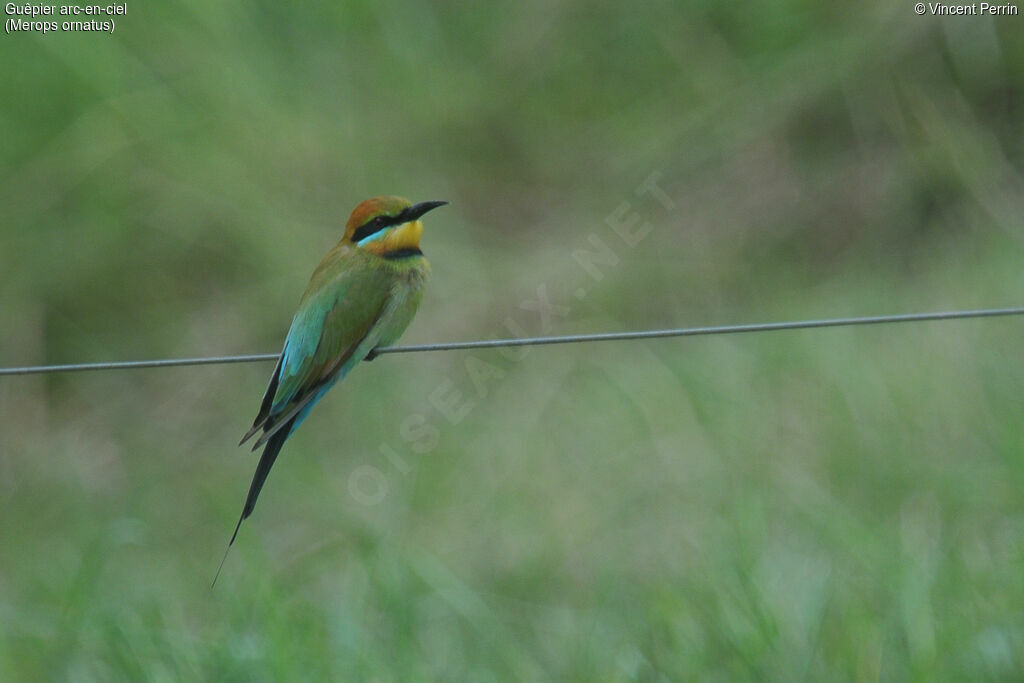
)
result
[(407, 272)]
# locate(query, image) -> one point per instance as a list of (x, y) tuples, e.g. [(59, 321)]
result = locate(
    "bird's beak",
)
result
[(417, 210)]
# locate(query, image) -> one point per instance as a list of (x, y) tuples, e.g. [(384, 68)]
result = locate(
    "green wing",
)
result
[(339, 321)]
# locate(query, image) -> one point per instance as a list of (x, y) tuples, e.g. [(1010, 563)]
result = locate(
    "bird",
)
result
[(362, 296)]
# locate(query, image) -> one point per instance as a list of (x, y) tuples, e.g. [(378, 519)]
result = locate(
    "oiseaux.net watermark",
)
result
[(454, 398)]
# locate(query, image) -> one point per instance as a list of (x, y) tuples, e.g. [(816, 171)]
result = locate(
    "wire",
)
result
[(540, 341)]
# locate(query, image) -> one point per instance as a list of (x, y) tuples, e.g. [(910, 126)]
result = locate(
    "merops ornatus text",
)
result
[(363, 295)]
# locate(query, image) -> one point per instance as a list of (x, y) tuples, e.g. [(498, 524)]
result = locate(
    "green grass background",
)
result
[(821, 505)]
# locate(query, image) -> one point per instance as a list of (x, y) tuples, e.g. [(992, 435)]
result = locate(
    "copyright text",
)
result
[(973, 9)]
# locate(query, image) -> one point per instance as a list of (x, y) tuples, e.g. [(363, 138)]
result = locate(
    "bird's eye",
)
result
[(374, 225)]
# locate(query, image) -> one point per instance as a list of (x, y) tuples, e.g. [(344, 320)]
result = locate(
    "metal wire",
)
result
[(539, 341)]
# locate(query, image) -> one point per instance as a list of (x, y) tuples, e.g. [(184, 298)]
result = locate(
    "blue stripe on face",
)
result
[(379, 235)]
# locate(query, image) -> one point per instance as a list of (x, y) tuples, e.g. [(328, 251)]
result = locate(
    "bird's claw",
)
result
[(371, 355)]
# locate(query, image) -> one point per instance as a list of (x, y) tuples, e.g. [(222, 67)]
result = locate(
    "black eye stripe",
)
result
[(377, 224)]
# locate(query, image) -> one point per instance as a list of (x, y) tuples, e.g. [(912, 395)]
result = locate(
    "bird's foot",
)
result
[(371, 355)]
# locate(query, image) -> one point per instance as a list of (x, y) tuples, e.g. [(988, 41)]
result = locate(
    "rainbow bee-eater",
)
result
[(363, 295)]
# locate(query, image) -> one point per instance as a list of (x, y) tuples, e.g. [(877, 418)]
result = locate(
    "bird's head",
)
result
[(387, 224)]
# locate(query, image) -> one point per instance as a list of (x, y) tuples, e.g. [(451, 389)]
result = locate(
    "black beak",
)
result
[(417, 210)]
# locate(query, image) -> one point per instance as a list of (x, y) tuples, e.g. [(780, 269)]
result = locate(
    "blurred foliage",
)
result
[(824, 504)]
